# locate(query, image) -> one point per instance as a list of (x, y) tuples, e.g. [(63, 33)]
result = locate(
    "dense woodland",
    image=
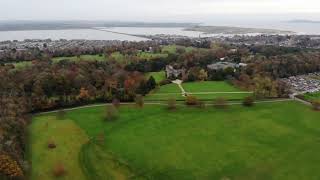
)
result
[(47, 85)]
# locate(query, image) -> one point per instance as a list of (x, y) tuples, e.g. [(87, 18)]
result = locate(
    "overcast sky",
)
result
[(154, 10)]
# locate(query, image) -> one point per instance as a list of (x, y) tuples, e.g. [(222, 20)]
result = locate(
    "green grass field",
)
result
[(173, 49), (277, 141), (150, 56), (209, 86), (163, 93), (206, 90), (67, 136), (209, 90), (158, 76), (312, 96), (23, 64), (82, 57)]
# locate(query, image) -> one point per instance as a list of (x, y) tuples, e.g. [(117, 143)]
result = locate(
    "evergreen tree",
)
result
[(151, 83)]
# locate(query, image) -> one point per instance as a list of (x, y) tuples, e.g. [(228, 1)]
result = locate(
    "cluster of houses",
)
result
[(304, 83), (296, 40), (57, 44)]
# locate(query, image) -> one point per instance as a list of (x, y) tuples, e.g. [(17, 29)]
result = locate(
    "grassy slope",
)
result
[(268, 141), (98, 163), (173, 49), (82, 57), (158, 76), (312, 96), (149, 56), (165, 92), (67, 136), (23, 64)]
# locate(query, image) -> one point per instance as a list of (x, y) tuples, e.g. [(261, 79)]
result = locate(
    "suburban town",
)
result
[(306, 41)]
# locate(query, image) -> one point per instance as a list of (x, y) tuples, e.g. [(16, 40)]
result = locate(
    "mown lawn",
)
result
[(144, 55), (172, 49), (150, 56), (68, 138), (206, 90), (209, 90), (209, 86), (82, 57), (268, 141), (158, 76), (165, 92)]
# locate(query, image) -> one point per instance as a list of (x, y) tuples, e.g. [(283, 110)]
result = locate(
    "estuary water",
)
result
[(101, 34), (69, 34)]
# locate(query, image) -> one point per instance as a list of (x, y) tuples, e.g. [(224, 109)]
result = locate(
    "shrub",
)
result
[(164, 82), (116, 103), (61, 114), (139, 101), (51, 144), (112, 113), (220, 103), (316, 105), (59, 170), (300, 96), (10, 167), (201, 105), (172, 104), (248, 101), (192, 101)]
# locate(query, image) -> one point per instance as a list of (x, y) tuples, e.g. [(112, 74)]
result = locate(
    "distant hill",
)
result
[(304, 21), (58, 25)]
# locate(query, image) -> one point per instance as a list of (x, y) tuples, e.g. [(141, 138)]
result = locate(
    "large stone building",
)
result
[(171, 72)]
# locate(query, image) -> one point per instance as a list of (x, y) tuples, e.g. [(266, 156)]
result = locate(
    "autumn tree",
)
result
[(248, 101), (203, 75), (316, 105), (61, 114), (111, 113), (191, 101), (264, 87), (116, 103), (10, 167), (59, 170), (83, 95), (151, 83), (172, 104), (220, 103), (139, 101)]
